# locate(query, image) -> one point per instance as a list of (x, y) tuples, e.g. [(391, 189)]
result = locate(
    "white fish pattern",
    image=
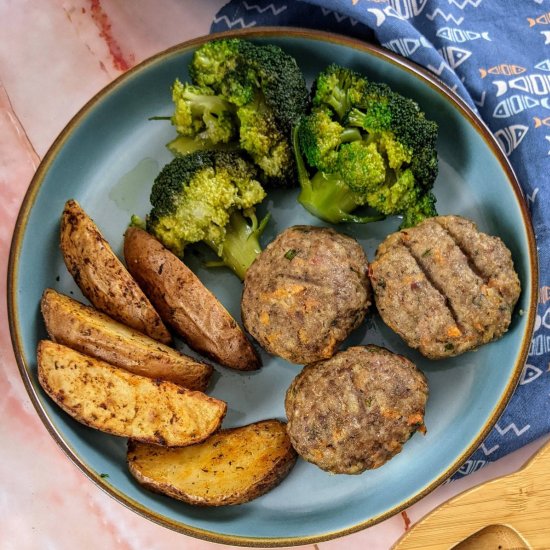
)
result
[(530, 373), (531, 198), (381, 15), (517, 104), (510, 137), (406, 46), (439, 70), (459, 35), (543, 65), (408, 8), (454, 56), (537, 84), (481, 101), (471, 466)]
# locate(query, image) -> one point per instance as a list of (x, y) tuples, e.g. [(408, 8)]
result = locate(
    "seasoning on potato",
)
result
[(444, 286), (118, 402), (101, 276), (186, 304), (306, 292), (233, 466), (93, 333)]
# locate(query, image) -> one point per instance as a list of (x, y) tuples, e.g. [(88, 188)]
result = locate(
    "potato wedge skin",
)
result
[(233, 466), (115, 401), (93, 333), (102, 277), (186, 304)]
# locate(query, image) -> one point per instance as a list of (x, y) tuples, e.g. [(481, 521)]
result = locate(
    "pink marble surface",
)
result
[(54, 55)]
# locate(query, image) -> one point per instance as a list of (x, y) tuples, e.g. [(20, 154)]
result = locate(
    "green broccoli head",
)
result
[(199, 198), (404, 133), (424, 207), (221, 65), (201, 114), (372, 110), (269, 94), (373, 142), (338, 88), (213, 61), (394, 195), (362, 167), (320, 136), (281, 83), (261, 138)]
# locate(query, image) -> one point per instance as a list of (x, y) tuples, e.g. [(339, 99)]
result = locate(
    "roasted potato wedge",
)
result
[(185, 303), (101, 276), (118, 402), (85, 329), (231, 467)]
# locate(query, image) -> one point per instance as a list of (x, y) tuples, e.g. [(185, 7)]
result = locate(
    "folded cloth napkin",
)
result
[(495, 55)]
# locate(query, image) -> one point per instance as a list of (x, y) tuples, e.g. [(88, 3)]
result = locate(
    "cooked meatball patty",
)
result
[(305, 293), (444, 286), (355, 411)]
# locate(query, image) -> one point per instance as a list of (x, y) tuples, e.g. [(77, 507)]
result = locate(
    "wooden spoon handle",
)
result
[(521, 500)]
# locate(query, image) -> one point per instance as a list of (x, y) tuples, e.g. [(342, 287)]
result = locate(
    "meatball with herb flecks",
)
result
[(305, 293), (356, 410), (444, 286)]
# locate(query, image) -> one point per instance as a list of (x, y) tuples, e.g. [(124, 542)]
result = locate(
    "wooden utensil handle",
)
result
[(520, 500)]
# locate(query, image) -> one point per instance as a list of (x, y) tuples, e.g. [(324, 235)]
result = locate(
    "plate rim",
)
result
[(265, 32)]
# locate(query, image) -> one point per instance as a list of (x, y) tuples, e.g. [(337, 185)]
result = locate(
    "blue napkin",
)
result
[(496, 55)]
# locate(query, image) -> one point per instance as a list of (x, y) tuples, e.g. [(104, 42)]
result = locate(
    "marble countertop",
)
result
[(55, 55)]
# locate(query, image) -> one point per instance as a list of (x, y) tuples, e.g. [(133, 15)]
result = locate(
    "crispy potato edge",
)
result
[(156, 438), (280, 469), (90, 260), (205, 324), (91, 332)]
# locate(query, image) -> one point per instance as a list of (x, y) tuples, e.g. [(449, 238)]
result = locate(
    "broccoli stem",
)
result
[(350, 134), (241, 245), (200, 103), (356, 118), (326, 196)]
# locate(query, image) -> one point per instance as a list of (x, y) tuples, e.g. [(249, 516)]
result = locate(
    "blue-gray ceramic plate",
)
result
[(107, 157)]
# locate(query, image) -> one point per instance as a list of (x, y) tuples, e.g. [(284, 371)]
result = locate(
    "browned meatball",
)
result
[(355, 411), (305, 293), (444, 286)]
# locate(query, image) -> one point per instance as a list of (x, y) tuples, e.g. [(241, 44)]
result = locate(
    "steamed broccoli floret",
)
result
[(338, 88), (326, 195), (218, 64), (422, 209), (261, 94), (370, 147), (404, 133), (321, 136), (261, 137), (361, 166), (201, 114), (210, 197)]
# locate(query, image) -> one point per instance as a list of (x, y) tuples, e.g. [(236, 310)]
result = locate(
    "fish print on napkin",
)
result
[(496, 56)]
